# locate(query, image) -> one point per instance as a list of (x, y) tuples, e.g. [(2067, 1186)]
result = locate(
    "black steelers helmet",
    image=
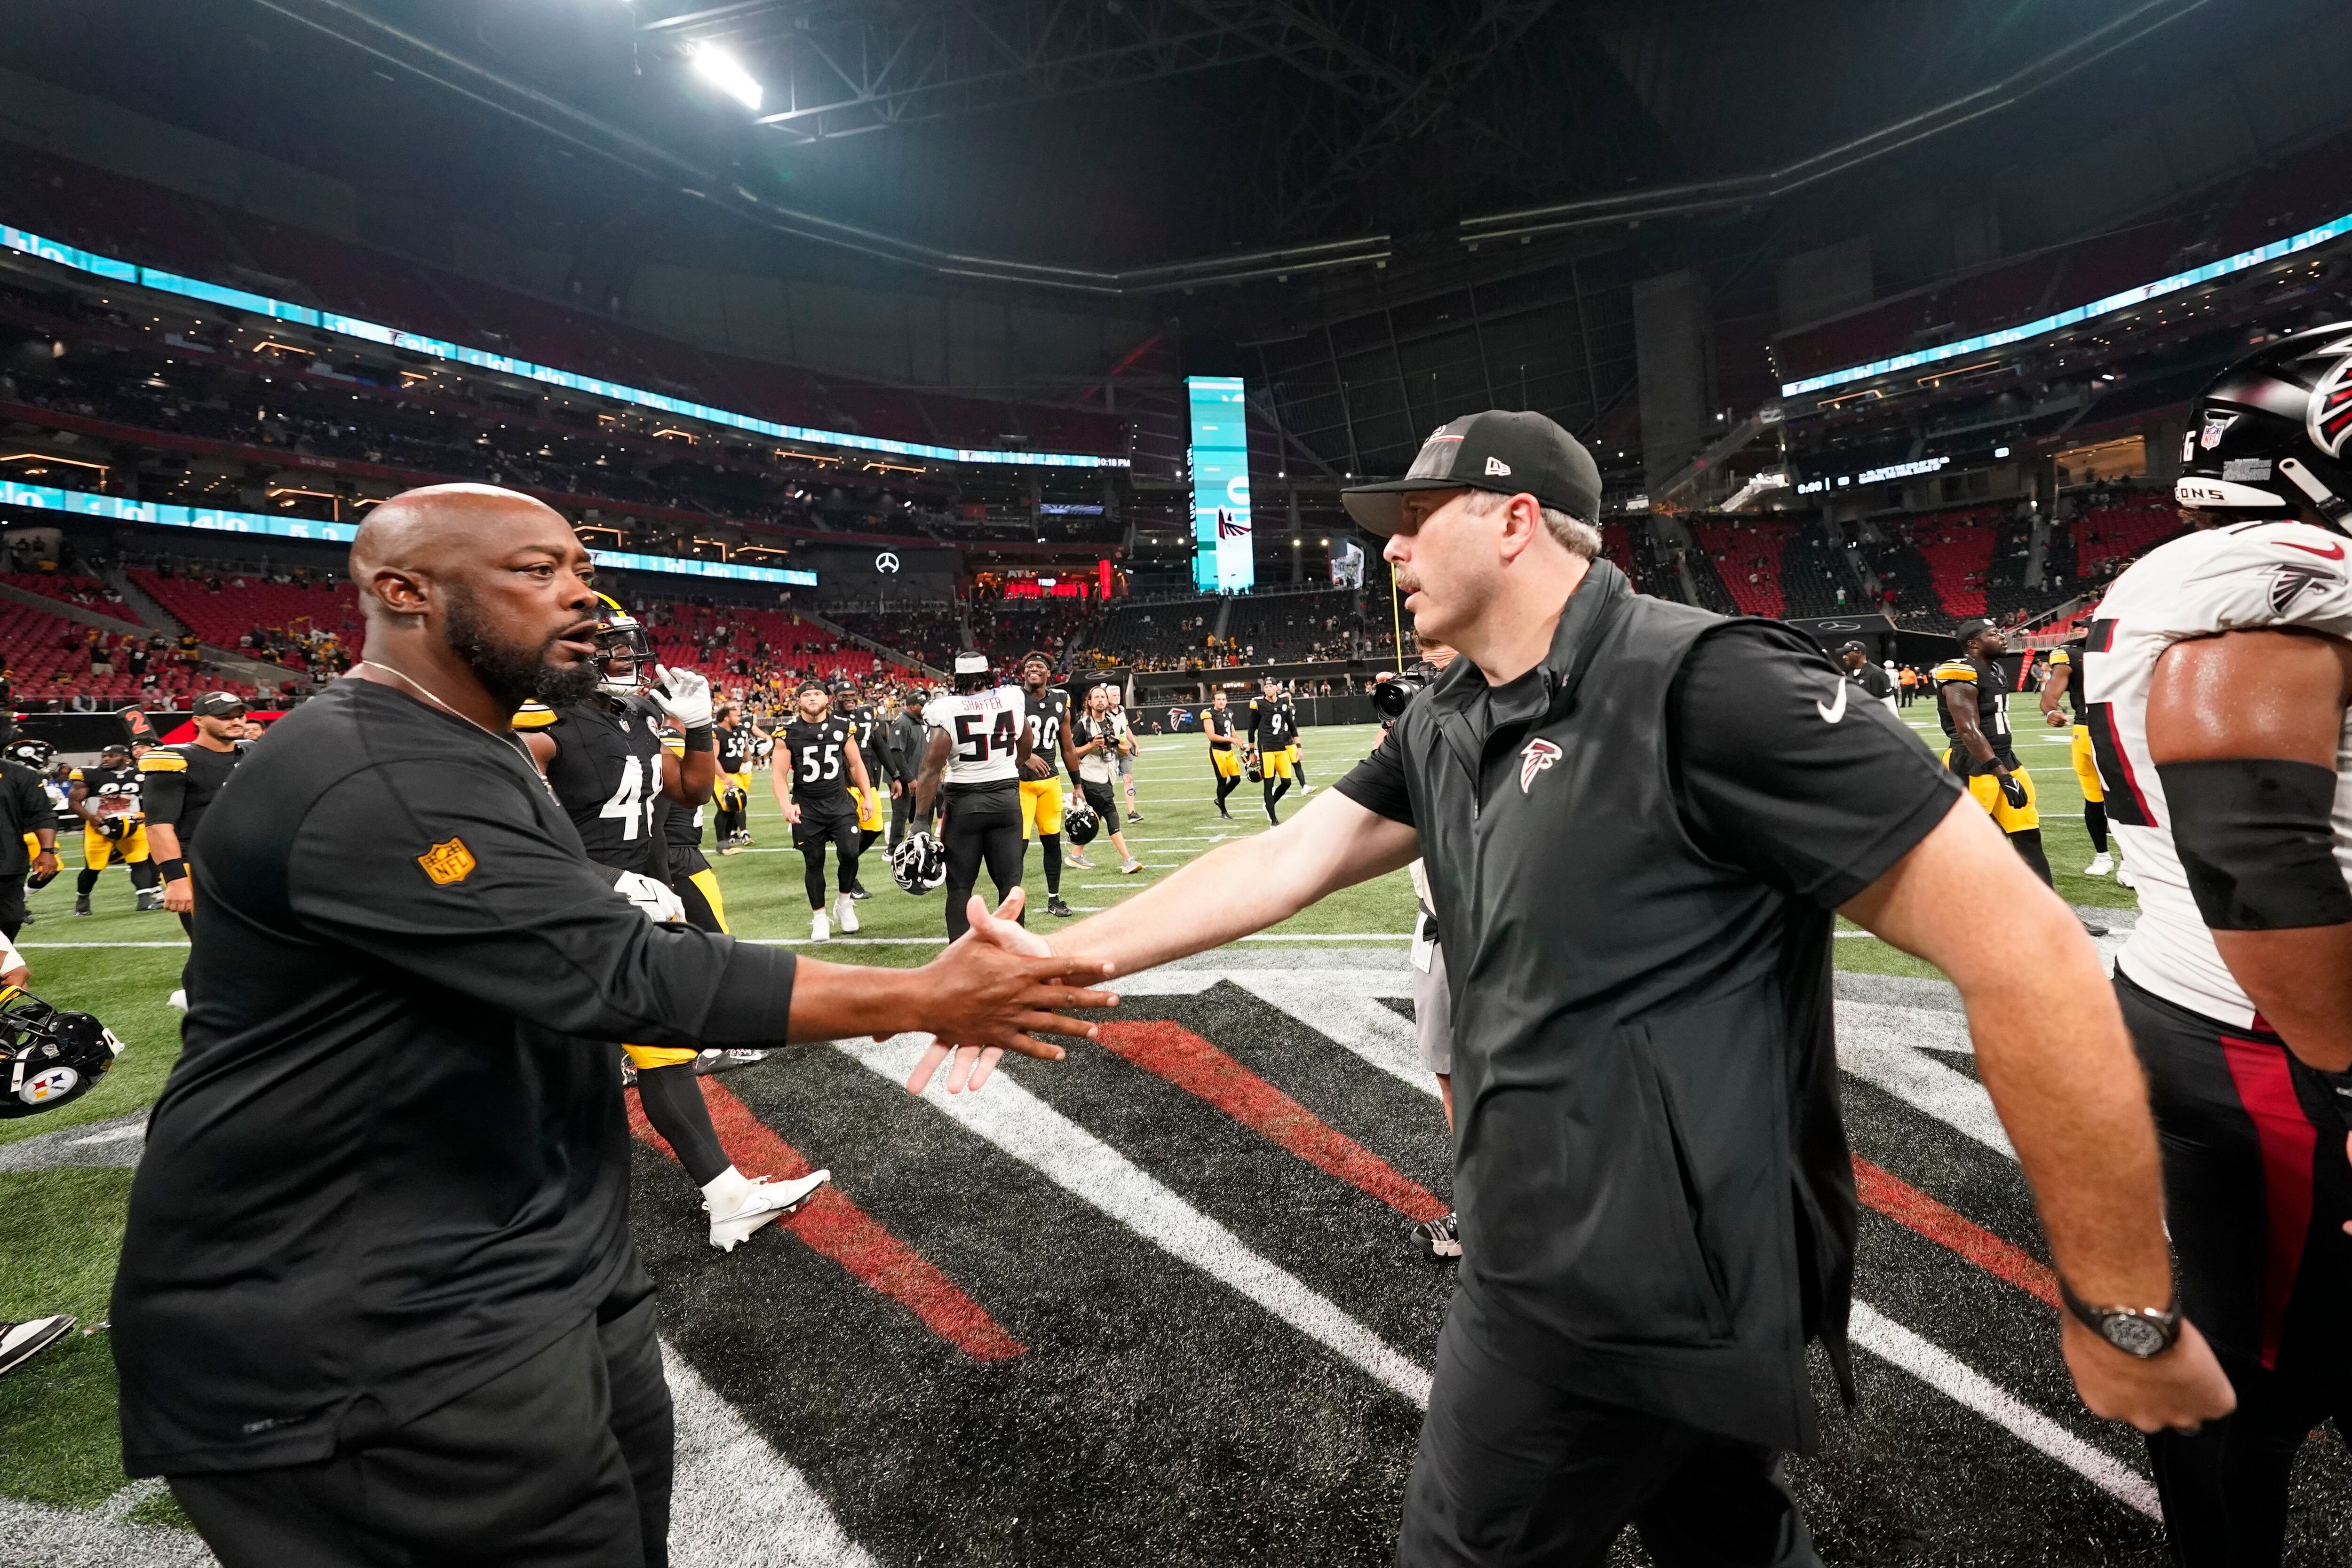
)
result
[(621, 635), (2270, 433), (33, 754), (1079, 821), (48, 1057)]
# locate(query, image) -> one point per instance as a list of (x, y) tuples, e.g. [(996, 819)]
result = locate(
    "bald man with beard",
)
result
[(377, 1300)]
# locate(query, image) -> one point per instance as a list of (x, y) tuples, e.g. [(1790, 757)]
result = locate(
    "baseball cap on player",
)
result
[(220, 705), (1500, 450), (1967, 629)]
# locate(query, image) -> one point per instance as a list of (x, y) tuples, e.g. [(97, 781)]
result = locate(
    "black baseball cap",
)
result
[(1967, 629), (1499, 451), (220, 705), (1853, 648)]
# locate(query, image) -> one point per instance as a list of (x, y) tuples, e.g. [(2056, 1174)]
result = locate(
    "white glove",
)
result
[(685, 696), (656, 901)]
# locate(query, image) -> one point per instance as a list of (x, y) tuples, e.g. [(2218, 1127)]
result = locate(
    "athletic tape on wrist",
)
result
[(2257, 842), (698, 738), (173, 869)]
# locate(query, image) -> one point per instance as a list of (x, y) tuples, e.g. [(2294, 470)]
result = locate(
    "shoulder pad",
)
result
[(674, 745), (2059, 656), (534, 715), (1956, 670), (163, 759), (75, 777)]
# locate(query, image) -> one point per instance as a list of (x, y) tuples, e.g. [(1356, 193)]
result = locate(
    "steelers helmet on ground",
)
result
[(1079, 821), (621, 638), (2269, 433), (33, 754), (48, 1057), (971, 672), (919, 863)]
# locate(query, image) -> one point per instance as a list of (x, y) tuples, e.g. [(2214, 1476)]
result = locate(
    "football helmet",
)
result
[(621, 635), (1250, 767), (2270, 431), (1079, 821), (48, 1057), (33, 754), (919, 863)]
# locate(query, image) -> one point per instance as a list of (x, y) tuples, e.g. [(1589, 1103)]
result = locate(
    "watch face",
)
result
[(2134, 1335)]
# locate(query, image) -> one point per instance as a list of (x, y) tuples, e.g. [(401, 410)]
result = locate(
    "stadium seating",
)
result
[(47, 662), (270, 620), (1813, 578), (2120, 528), (1287, 627), (1746, 558)]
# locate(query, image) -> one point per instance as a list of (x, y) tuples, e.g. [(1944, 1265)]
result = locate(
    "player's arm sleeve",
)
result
[(163, 788), (1768, 782), (517, 919), (1378, 782)]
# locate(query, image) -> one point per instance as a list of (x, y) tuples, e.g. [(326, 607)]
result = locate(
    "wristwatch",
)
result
[(2142, 1332)]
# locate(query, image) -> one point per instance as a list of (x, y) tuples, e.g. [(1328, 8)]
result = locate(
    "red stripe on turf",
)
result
[(1192, 1064), (1906, 1205), (833, 1226)]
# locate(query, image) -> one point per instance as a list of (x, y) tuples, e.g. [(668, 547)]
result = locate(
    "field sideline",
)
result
[(56, 1432)]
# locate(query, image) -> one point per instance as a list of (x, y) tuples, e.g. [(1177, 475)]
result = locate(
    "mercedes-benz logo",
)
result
[(886, 561)]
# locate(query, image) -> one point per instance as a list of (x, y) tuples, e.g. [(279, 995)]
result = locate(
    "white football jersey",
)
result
[(983, 731), (2222, 580)]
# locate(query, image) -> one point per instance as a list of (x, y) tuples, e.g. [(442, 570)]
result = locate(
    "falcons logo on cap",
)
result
[(2327, 419), (1538, 756)]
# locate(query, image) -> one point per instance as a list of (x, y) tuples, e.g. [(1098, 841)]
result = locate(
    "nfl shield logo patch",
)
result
[(448, 863)]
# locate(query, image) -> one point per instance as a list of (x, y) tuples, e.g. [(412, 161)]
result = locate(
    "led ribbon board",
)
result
[(2080, 313), (118, 509), (507, 364), (1221, 546)]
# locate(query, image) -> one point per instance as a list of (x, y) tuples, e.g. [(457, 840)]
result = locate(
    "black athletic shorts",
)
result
[(825, 822), (1101, 798)]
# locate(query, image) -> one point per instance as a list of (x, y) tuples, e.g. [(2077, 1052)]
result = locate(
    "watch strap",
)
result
[(2133, 1322)]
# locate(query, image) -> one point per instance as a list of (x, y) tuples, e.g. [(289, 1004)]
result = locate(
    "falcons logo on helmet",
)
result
[(2328, 417)]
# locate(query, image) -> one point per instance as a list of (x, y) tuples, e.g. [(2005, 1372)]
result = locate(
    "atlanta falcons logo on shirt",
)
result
[(1538, 756), (2328, 417)]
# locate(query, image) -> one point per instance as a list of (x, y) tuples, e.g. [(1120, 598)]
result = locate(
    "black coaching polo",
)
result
[(1634, 851), (391, 1162)]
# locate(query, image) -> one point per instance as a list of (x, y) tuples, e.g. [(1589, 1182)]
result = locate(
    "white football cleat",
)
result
[(845, 915), (2124, 877), (754, 1203), (2101, 864), (819, 930), (178, 999)]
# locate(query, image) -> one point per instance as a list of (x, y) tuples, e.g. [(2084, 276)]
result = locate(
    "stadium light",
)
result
[(725, 72)]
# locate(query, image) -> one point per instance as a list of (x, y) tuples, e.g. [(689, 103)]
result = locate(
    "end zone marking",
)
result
[(831, 1224)]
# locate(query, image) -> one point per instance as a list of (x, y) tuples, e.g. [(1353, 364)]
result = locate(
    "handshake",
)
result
[(995, 989)]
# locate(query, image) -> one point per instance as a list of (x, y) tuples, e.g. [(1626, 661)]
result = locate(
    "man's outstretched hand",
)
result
[(993, 990)]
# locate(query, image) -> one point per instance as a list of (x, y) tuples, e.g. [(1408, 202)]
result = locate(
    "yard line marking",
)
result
[(1906, 1205), (1334, 936), (1947, 1374), (1880, 1045), (835, 1226), (1349, 1015), (1073, 1159), (738, 1502), (66, 1538), (1182, 1058), (182, 945)]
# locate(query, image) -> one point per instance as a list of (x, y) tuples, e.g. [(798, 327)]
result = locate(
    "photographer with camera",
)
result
[(1640, 822)]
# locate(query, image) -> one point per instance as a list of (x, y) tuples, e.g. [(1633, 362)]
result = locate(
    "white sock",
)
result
[(726, 1190)]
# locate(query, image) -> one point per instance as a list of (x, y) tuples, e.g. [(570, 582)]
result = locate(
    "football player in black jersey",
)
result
[(1224, 759), (865, 728), (604, 759), (1048, 719), (177, 785), (2061, 685), (1273, 731), (817, 767), (696, 884), (733, 736), (106, 798)]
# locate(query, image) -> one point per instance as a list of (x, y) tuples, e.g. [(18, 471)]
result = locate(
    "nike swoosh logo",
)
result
[(1831, 712), (2333, 552)]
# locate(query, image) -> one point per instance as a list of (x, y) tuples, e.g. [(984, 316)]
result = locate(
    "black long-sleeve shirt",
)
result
[(24, 809), (391, 1162)]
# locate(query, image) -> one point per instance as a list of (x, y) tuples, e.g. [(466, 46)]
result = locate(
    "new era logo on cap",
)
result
[(1505, 452)]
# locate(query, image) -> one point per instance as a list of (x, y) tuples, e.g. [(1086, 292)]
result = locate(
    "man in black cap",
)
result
[(1972, 700), (1639, 821), (29, 828), (1875, 682), (177, 784)]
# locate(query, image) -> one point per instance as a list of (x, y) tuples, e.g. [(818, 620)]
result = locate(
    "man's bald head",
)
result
[(481, 577)]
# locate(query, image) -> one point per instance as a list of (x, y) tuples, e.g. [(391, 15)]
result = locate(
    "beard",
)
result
[(513, 675)]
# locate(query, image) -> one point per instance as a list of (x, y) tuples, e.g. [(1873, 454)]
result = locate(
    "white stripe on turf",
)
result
[(1945, 1372), (40, 1537), (1083, 1166), (180, 944), (1345, 1010), (1881, 1046), (738, 1504)]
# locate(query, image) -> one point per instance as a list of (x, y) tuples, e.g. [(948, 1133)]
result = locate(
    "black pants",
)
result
[(1514, 1469), (12, 905), (563, 1462), (983, 825), (810, 835), (902, 813), (2256, 1191)]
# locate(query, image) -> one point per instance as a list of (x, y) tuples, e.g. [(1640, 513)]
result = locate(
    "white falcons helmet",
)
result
[(1079, 821), (919, 863), (2273, 430), (621, 635)]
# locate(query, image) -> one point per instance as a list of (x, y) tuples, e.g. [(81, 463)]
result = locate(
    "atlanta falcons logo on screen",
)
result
[(2328, 418)]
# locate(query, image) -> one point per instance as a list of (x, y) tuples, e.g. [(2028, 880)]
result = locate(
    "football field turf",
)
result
[(1155, 1303)]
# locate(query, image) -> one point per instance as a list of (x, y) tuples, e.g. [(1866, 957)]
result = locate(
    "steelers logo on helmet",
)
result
[(2269, 432), (1079, 822), (624, 654), (48, 1057)]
